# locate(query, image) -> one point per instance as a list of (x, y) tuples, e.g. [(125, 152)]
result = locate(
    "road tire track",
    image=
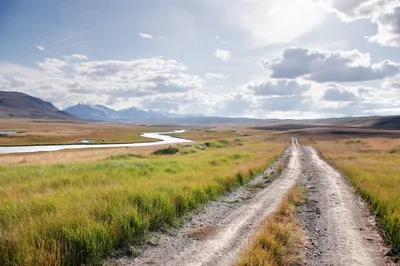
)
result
[(339, 227)]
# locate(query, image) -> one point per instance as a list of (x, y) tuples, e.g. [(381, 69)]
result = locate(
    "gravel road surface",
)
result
[(338, 224)]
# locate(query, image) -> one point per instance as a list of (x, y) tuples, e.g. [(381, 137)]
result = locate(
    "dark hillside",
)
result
[(20, 105), (388, 122)]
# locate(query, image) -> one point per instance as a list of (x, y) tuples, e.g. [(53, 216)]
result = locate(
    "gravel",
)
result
[(339, 227)]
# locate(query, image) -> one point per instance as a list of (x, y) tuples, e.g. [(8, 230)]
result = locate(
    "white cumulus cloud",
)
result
[(384, 13), (76, 57), (223, 54), (52, 65), (335, 93), (99, 82), (330, 66), (211, 75), (39, 47), (146, 36), (276, 87)]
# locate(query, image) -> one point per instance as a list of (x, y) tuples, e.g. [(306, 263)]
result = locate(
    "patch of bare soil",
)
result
[(216, 234), (339, 226)]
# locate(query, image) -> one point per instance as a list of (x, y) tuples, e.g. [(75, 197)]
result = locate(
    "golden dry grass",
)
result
[(203, 133), (73, 213), (77, 131), (73, 156), (280, 239), (63, 132)]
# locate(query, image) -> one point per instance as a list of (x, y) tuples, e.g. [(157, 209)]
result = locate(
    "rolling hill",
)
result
[(20, 105)]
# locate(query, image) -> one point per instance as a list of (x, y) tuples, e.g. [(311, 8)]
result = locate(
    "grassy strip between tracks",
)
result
[(69, 214), (280, 239), (373, 167)]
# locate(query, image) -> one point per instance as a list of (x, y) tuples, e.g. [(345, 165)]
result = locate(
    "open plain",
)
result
[(203, 203)]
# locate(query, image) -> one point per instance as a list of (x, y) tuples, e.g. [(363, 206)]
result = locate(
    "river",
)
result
[(161, 136)]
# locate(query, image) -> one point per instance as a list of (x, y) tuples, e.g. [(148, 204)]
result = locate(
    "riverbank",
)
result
[(164, 139)]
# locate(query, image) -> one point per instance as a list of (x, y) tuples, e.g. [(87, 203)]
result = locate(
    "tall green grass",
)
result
[(69, 214), (375, 172)]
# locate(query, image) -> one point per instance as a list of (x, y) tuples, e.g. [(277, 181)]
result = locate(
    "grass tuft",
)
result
[(280, 239)]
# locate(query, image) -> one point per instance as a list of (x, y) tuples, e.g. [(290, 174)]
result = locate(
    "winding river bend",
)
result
[(161, 136)]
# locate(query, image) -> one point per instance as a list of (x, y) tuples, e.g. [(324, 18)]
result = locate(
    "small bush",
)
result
[(168, 151), (201, 147), (240, 178), (221, 143)]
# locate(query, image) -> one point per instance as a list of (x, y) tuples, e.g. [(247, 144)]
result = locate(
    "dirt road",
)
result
[(335, 221), (339, 227), (295, 142)]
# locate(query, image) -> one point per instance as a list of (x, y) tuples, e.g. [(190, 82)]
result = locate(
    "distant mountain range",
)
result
[(20, 105), (103, 113)]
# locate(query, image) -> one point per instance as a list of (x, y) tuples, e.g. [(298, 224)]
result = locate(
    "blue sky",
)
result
[(254, 58)]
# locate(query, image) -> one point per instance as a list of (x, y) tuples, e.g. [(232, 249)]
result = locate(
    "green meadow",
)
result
[(74, 213)]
